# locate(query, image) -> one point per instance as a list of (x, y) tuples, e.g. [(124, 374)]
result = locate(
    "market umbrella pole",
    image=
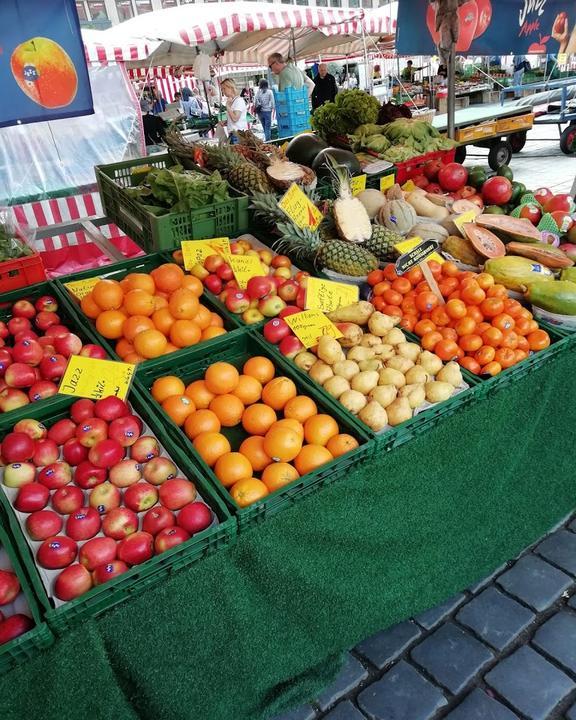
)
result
[(451, 104)]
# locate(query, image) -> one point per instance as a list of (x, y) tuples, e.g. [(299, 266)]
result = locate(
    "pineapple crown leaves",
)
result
[(265, 205), (340, 177)]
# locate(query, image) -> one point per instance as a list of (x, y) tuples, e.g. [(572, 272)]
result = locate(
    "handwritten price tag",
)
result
[(358, 184), (310, 325), (81, 288), (466, 217), (326, 295), (300, 209), (93, 378), (386, 182), (562, 58), (196, 251), (245, 267)]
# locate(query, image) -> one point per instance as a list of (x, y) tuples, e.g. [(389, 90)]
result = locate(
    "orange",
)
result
[(253, 449), (170, 349), (538, 340), (292, 425), (199, 393), (167, 277), (109, 324), (249, 390), (160, 302), (259, 367), (201, 421), (166, 386), (150, 343), (258, 419), (248, 491), (212, 332), (279, 474), (216, 320), (89, 307), (139, 281), (231, 467), (139, 302), (319, 429), (282, 444), (133, 358), (221, 377), (202, 317), (228, 408), (123, 348), (300, 408), (162, 320), (107, 294), (341, 444), (184, 333), (194, 284), (178, 407), (136, 324), (278, 391), (183, 304), (312, 457), (210, 446)]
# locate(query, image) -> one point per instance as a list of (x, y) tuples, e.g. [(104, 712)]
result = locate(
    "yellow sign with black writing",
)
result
[(386, 182), (310, 325), (358, 184), (245, 267), (466, 217), (81, 288), (95, 379), (326, 295), (300, 209), (410, 243), (196, 251), (408, 186)]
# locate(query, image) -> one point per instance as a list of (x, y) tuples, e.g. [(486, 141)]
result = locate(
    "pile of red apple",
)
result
[(34, 351), (95, 495), (12, 623)]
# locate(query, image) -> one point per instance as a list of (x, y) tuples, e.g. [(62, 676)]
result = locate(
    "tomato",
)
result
[(470, 343), (392, 297), (470, 364), (492, 368), (485, 355), (542, 195), (432, 168), (409, 305), (492, 337), (408, 322), (421, 181), (503, 322), (456, 309), (392, 310), (465, 326), (512, 307), (390, 273), (475, 313), (402, 285), (473, 294), (414, 276), (448, 334), (426, 301), (436, 269), (491, 307), (522, 327), (531, 212), (497, 290), (506, 357), (450, 269), (381, 288), (430, 340), (446, 350), (448, 286), (379, 303), (375, 277), (538, 340), (520, 355), (452, 177), (510, 340), (424, 326), (485, 280), (497, 190), (523, 344), (439, 316)]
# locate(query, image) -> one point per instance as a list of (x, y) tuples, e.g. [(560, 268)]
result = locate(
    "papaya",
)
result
[(547, 254), (484, 241), (517, 273), (555, 297), (569, 274), (509, 228)]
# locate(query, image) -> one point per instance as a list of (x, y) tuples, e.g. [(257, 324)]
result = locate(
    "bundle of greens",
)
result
[(11, 247), (174, 189), (350, 109)]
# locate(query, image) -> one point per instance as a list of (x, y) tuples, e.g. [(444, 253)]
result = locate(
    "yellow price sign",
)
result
[(81, 288), (358, 184), (310, 325), (387, 182), (562, 58), (406, 245), (408, 186), (245, 267), (284, 146), (466, 217), (196, 251), (326, 295), (95, 379), (300, 209)]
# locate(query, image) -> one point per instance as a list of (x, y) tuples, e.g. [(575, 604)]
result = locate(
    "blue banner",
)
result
[(491, 27), (43, 72)]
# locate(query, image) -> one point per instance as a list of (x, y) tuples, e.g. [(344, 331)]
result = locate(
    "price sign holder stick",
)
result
[(417, 258)]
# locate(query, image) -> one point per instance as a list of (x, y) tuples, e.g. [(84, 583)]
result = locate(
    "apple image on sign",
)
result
[(44, 72)]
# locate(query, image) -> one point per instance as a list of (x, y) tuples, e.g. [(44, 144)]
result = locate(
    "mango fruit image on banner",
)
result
[(44, 72)]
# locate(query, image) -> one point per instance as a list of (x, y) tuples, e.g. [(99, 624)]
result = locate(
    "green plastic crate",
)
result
[(237, 350), (228, 218), (117, 271), (26, 646), (152, 572)]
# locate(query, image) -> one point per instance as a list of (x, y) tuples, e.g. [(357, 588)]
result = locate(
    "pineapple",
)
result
[(352, 220), (241, 173), (381, 242)]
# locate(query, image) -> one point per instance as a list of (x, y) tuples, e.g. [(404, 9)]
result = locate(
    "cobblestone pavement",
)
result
[(504, 649)]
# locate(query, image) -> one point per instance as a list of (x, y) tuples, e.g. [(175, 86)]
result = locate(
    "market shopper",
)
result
[(263, 106), (235, 107), (520, 64), (279, 66), (154, 128), (325, 88), (158, 102)]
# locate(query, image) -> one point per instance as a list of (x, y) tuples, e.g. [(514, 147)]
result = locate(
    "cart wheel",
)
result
[(517, 141), (568, 140), (500, 154), (460, 154)]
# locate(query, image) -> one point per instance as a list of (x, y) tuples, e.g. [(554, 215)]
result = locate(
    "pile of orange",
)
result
[(285, 435), (479, 324), (151, 314)]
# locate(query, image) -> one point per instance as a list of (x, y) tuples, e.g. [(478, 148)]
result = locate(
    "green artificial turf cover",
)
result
[(261, 626)]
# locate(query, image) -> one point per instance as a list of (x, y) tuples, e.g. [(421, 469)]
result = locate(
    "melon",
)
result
[(341, 157), (303, 149)]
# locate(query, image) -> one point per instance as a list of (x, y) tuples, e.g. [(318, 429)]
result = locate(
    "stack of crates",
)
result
[(292, 111)]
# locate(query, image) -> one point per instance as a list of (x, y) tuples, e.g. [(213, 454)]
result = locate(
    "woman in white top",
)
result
[(235, 107)]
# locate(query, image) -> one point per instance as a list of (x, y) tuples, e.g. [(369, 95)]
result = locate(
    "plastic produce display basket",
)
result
[(26, 646), (119, 270), (153, 233), (60, 617), (21, 272), (292, 111), (237, 351), (411, 168)]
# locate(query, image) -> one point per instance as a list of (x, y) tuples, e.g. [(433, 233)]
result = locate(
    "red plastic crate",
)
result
[(21, 272), (409, 169)]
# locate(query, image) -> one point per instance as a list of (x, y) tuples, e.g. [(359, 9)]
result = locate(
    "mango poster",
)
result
[(43, 72)]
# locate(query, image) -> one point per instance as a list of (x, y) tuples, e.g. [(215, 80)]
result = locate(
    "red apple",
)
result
[(252, 316), (125, 430), (125, 473), (170, 537), (4, 332), (93, 351), (18, 324), (67, 500), (62, 431), (194, 517), (224, 272), (17, 447), (290, 346), (12, 399), (289, 310), (214, 284), (19, 375), (136, 548), (232, 284), (110, 408), (9, 586), (109, 571), (259, 287), (281, 261), (542, 195), (28, 352), (531, 212), (46, 303), (32, 497), (56, 475), (14, 626), (157, 519), (68, 345), (56, 552), (176, 493), (81, 410), (237, 302), (105, 497), (88, 476), (73, 452), (46, 453), (276, 330), (119, 522), (106, 453), (23, 308), (55, 331), (97, 551), (73, 581), (158, 470), (140, 496), (213, 262), (18, 474), (31, 427), (53, 367), (83, 524), (144, 449), (42, 524), (41, 390), (288, 291), (45, 319), (5, 360), (301, 298), (91, 432)]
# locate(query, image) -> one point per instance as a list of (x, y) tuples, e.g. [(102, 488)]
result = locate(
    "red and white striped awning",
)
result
[(99, 49)]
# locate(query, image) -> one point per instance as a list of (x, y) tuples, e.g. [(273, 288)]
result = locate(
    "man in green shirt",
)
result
[(409, 72), (288, 74)]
